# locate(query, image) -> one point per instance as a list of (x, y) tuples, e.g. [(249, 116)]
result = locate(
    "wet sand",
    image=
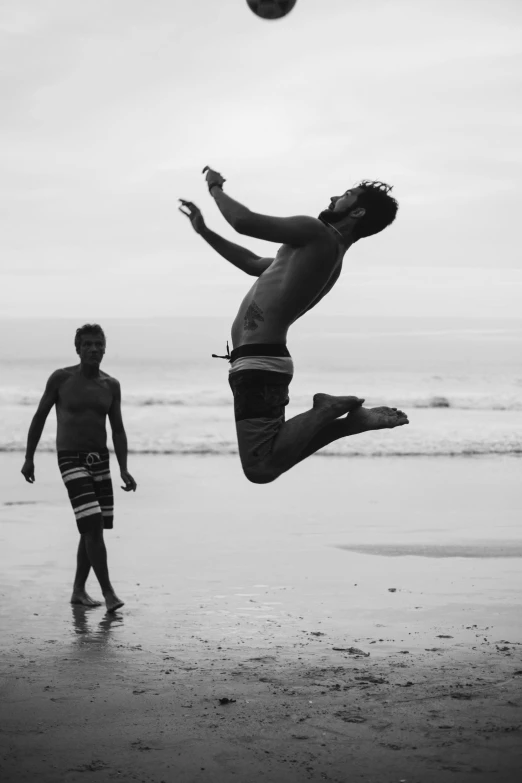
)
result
[(362, 617)]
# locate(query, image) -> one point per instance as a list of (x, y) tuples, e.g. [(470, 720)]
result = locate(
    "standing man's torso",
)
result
[(295, 282), (82, 407)]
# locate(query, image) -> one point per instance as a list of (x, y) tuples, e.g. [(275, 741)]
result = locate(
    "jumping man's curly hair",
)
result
[(87, 329), (381, 208)]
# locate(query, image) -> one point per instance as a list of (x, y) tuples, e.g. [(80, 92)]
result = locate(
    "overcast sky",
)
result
[(111, 108)]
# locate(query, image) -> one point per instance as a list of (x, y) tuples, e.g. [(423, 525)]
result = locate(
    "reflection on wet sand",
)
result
[(88, 629)]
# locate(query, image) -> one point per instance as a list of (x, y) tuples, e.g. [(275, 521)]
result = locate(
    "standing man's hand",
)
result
[(213, 178), (28, 471), (130, 484), (194, 215)]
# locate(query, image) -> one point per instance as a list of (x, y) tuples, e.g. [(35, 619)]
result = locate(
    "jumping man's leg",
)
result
[(268, 445), (308, 432), (297, 433), (358, 420), (83, 567), (97, 554)]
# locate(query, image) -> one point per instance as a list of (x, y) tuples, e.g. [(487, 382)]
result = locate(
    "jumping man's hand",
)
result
[(130, 484), (213, 178), (194, 215), (28, 471)]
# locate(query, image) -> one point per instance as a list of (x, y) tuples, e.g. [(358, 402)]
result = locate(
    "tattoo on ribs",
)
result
[(253, 314)]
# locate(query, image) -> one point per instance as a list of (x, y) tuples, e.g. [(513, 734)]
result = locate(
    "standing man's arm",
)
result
[(239, 256), (119, 437), (49, 398)]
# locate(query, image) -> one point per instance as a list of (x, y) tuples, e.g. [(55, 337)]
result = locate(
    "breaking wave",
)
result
[(210, 398), (369, 449)]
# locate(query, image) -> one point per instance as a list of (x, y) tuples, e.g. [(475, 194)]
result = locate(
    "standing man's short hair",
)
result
[(381, 208), (87, 329)]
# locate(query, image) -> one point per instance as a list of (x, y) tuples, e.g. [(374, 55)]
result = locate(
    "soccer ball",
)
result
[(271, 9)]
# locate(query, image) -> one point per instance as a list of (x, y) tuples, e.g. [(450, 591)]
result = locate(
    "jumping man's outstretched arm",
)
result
[(297, 231), (239, 256)]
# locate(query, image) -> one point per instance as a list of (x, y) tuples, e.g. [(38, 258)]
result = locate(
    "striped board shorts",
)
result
[(88, 482)]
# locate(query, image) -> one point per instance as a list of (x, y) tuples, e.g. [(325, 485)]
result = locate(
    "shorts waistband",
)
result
[(68, 453), (272, 364), (259, 349)]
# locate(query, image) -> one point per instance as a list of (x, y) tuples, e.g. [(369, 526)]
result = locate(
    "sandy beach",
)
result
[(361, 616)]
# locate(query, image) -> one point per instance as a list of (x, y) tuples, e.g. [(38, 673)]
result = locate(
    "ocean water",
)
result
[(459, 381)]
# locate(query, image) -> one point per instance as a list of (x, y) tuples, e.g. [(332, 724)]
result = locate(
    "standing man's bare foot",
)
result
[(336, 405), (82, 598), (112, 602), (377, 418)]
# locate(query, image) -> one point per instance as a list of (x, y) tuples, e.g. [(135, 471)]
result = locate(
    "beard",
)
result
[(331, 217)]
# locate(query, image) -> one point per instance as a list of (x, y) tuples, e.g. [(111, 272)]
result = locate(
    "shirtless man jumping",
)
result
[(84, 396), (306, 267)]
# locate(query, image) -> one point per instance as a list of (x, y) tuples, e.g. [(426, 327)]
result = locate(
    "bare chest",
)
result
[(79, 396), (311, 265), (296, 279), (297, 276)]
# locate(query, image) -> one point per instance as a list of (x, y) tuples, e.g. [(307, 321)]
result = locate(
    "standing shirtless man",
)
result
[(306, 267), (84, 396)]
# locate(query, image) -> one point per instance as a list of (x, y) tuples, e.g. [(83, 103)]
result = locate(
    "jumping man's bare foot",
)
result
[(336, 405), (112, 602), (82, 598), (377, 418)]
